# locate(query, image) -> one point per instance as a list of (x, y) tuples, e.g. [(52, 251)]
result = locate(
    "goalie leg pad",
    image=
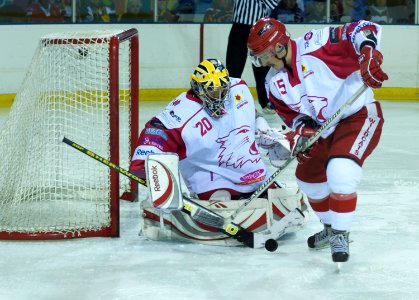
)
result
[(284, 200), (288, 211), (179, 226), (278, 216)]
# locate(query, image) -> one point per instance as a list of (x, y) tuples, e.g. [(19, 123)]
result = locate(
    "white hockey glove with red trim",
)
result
[(274, 140), (370, 65), (265, 136)]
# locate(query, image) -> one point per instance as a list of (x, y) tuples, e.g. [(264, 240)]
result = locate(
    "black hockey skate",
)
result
[(320, 240)]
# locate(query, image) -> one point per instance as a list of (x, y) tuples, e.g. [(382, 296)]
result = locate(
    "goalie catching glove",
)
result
[(274, 140), (266, 137)]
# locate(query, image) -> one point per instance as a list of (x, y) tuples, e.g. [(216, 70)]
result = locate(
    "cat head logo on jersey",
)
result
[(237, 149), (316, 104)]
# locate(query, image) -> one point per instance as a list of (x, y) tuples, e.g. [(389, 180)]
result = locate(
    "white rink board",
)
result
[(169, 52)]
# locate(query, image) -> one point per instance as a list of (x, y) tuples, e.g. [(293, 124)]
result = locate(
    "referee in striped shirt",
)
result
[(245, 14)]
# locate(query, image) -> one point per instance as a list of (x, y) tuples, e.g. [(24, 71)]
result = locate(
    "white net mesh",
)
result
[(45, 185)]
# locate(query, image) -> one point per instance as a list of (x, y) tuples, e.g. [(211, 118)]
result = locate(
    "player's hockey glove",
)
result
[(304, 131), (370, 65)]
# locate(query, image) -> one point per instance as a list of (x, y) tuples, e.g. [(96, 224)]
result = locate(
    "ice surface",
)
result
[(384, 262)]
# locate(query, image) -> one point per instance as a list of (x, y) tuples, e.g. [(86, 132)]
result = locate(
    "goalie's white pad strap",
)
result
[(292, 222), (260, 215)]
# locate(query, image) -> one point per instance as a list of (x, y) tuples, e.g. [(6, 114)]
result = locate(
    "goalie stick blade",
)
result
[(212, 219), (162, 171)]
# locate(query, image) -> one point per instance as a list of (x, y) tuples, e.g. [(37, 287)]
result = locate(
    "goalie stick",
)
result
[(300, 149), (196, 211)]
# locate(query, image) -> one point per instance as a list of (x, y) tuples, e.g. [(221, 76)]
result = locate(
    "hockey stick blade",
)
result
[(191, 208)]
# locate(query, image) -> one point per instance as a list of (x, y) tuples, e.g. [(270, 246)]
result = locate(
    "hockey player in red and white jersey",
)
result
[(311, 77), (212, 129)]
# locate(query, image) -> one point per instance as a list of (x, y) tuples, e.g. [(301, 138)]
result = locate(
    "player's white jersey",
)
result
[(325, 73), (219, 153)]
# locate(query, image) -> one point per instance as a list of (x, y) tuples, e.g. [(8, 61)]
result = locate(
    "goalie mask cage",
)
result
[(82, 85)]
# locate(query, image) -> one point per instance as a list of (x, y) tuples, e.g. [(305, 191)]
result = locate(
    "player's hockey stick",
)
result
[(300, 149), (196, 211)]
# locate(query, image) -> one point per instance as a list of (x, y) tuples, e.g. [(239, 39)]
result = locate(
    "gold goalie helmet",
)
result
[(210, 82)]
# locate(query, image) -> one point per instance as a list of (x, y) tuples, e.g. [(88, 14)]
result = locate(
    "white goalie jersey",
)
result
[(214, 153)]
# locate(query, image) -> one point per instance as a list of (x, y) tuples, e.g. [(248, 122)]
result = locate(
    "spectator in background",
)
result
[(245, 13), (354, 10), (167, 11), (186, 7), (90, 11), (108, 13), (220, 11), (336, 11), (315, 11), (67, 10), (288, 11), (97, 11), (135, 13), (13, 12), (378, 12), (45, 11), (360, 8)]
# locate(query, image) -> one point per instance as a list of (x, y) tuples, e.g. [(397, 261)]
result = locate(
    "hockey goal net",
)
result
[(82, 85)]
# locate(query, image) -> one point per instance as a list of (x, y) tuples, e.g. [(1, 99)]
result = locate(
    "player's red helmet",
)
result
[(265, 34)]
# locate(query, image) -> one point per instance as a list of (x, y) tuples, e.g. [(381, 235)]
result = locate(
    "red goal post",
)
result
[(83, 85)]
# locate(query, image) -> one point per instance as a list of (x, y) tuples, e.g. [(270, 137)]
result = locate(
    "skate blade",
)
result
[(338, 267)]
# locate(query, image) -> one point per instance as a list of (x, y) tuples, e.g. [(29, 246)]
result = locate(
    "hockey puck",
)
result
[(271, 245)]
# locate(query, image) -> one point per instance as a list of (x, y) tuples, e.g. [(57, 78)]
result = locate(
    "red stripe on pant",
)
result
[(343, 203), (319, 205)]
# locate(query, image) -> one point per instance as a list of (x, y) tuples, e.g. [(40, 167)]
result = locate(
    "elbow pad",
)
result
[(363, 38)]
